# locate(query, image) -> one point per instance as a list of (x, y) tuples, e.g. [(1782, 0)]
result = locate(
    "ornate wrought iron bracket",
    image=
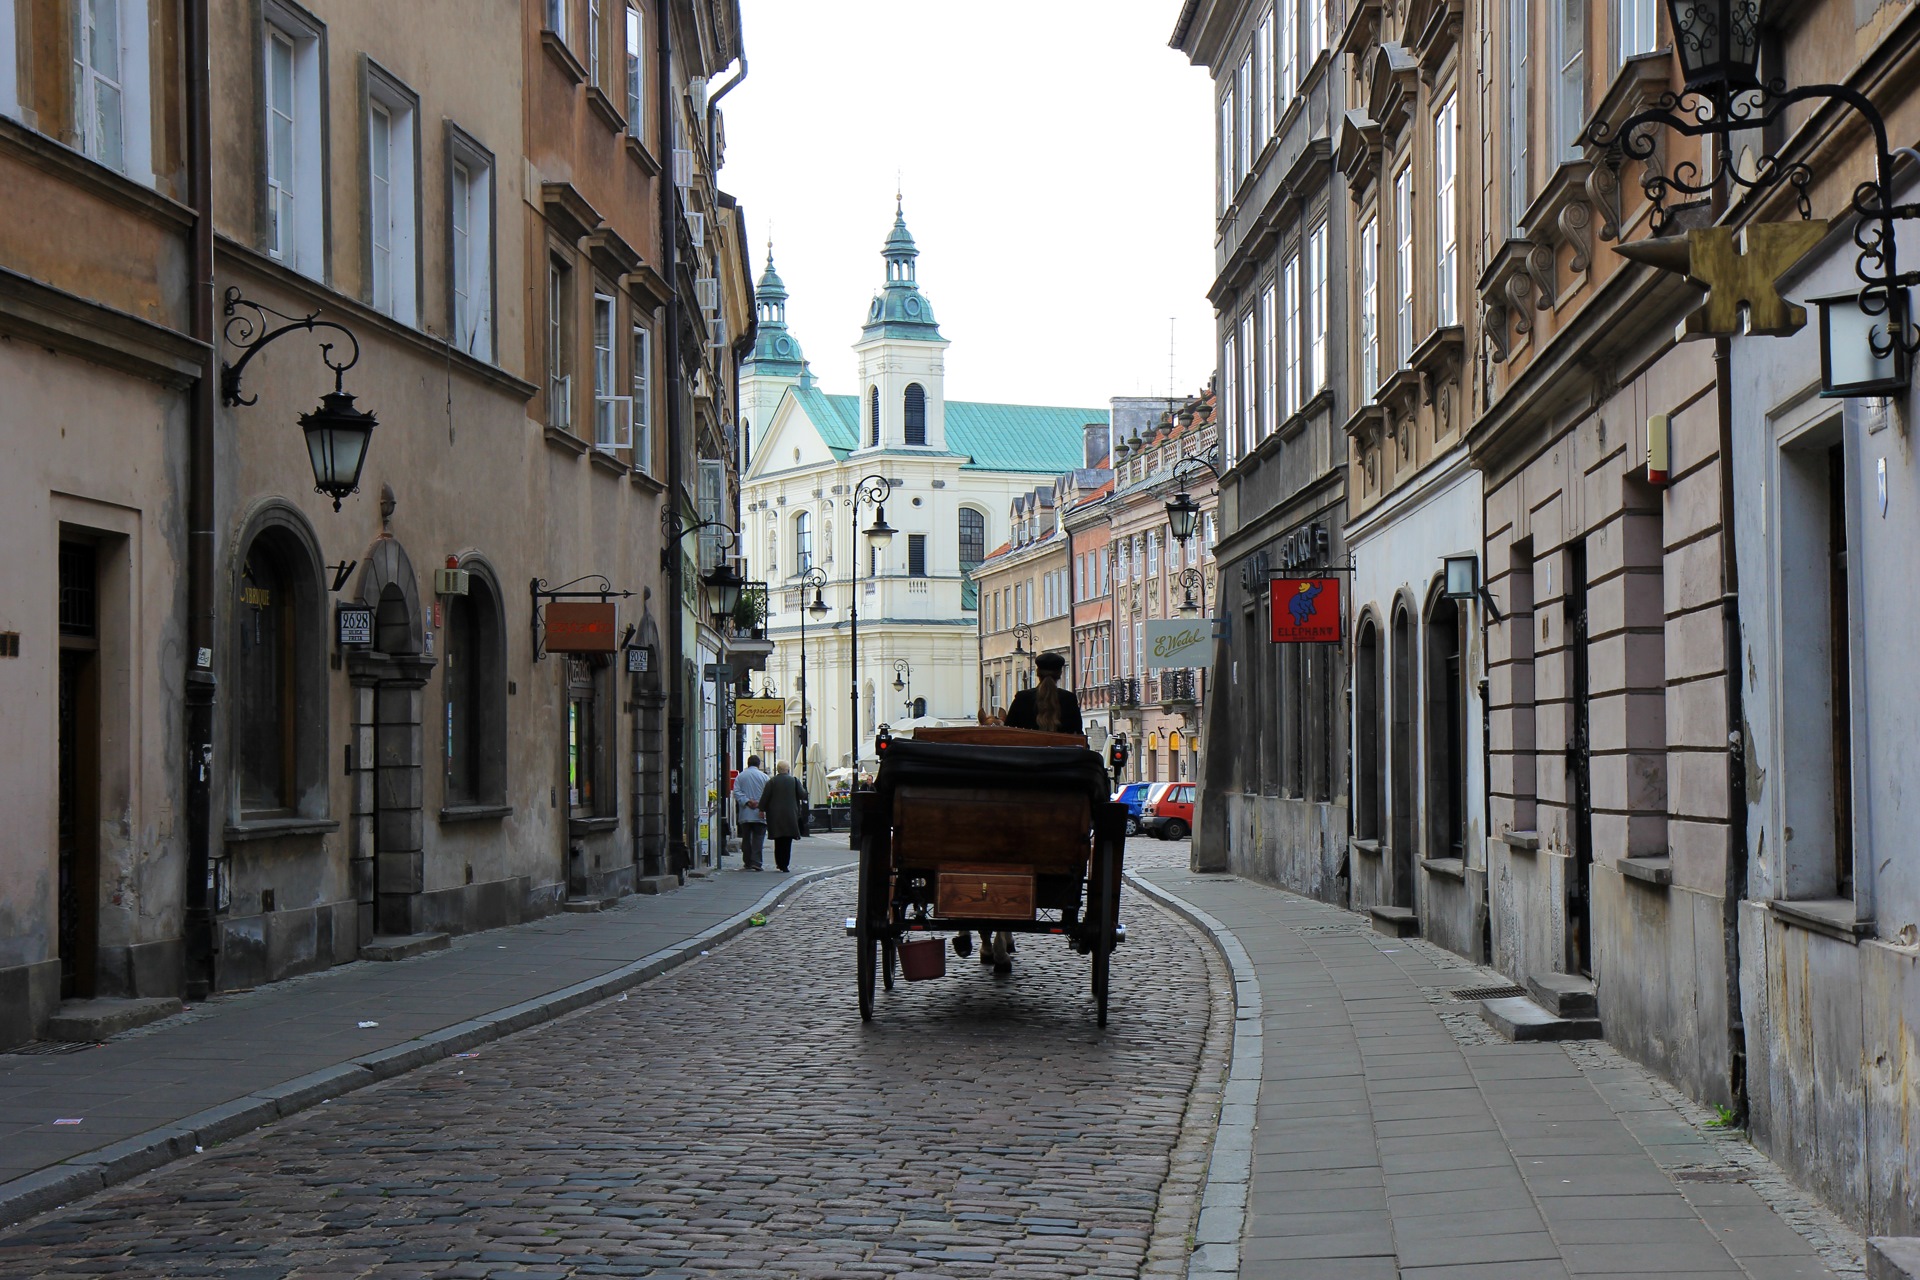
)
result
[(673, 528), (540, 591), (246, 330)]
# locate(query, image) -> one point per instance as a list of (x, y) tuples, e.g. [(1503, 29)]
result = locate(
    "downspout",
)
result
[(713, 107), (200, 686), (674, 612), (1736, 891)]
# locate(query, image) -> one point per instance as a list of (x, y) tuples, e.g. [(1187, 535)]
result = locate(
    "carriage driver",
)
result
[(1046, 707)]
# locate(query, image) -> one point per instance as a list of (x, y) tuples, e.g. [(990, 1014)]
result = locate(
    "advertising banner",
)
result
[(759, 711), (1305, 610), (1180, 642)]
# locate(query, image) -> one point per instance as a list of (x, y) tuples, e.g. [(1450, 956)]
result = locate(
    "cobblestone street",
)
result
[(733, 1117)]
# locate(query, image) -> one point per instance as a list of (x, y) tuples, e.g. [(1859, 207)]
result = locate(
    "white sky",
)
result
[(1056, 158)]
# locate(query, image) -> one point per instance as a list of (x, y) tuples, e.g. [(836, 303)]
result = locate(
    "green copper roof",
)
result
[(776, 352), (997, 437), (900, 310)]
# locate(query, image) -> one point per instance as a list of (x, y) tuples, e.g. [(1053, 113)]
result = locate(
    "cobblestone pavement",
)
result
[(733, 1117)]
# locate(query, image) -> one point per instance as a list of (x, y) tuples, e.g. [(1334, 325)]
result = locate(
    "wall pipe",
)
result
[(1736, 890), (674, 608), (200, 897)]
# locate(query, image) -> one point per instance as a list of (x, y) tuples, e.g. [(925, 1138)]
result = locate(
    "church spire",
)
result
[(776, 353), (900, 310)]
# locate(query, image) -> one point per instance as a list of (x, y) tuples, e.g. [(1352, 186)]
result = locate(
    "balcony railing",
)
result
[(1179, 687), (1125, 692)]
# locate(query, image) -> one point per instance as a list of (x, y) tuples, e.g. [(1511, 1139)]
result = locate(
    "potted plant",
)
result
[(750, 612)]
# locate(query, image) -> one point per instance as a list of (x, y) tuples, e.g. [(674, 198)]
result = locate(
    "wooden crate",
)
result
[(986, 892)]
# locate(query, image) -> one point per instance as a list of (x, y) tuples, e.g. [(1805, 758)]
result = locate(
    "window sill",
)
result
[(1833, 917), (1369, 847), (249, 829), (645, 481), (1522, 841), (607, 462), (562, 56), (1452, 868), (475, 812), (603, 107), (1657, 872), (591, 826), (561, 438), (642, 157)]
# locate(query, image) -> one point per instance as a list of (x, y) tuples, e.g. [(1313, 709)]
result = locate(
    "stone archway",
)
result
[(389, 872)]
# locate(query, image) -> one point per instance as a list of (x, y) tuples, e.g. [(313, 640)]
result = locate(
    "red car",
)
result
[(1168, 812)]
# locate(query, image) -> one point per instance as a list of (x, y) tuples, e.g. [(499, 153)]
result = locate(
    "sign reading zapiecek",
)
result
[(759, 711), (1181, 642), (1305, 610)]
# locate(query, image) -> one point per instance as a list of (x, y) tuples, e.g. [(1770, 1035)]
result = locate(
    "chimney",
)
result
[(1096, 434)]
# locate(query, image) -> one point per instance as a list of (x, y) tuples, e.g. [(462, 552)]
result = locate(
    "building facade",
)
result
[(1273, 795)]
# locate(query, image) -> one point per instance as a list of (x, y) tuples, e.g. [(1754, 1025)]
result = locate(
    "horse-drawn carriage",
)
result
[(988, 830)]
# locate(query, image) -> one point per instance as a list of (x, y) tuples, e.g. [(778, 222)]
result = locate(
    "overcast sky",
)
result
[(1056, 160)]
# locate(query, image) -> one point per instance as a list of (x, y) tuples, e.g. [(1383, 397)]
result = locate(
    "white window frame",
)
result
[(1271, 103), (1316, 30), (1288, 36), (125, 89), (1446, 212), (1243, 120), (802, 542), (1403, 266), (1259, 95), (555, 19), (1636, 30), (1519, 180), (1317, 309), (1249, 373), (393, 284), (471, 246), (1229, 363), (641, 391), (9, 64), (1226, 146), (1270, 339), (559, 359), (1369, 278), (612, 414), (1290, 328), (1570, 76), (595, 15), (636, 63), (294, 178)]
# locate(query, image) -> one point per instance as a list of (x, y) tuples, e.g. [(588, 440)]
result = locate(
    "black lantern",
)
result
[(819, 607), (723, 591), (1859, 355), (337, 435), (1182, 514), (1718, 41), (881, 533)]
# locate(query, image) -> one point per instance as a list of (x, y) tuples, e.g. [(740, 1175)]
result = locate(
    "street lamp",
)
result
[(722, 586), (872, 490), (814, 577), (903, 681), (1189, 580)]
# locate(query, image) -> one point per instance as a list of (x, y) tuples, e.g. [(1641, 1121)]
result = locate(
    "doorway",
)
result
[(79, 771), (1402, 805), (1446, 734), (1580, 767)]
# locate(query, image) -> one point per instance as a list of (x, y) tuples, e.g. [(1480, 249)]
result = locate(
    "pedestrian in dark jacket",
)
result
[(782, 804), (1047, 707)]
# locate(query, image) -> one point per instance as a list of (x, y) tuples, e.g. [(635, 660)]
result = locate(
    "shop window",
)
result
[(278, 679), (589, 731), (474, 666)]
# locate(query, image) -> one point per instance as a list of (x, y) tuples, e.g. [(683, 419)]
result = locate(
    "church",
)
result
[(955, 467)]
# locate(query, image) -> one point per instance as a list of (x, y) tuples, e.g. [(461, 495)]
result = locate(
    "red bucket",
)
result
[(923, 958)]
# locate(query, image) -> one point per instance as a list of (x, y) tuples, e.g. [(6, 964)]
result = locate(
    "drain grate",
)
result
[(48, 1048), (1488, 993)]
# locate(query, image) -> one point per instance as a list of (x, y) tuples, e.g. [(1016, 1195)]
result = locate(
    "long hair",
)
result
[(1047, 714)]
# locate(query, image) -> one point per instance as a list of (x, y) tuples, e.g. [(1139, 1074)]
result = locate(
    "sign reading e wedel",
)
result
[(1305, 610), (1183, 642)]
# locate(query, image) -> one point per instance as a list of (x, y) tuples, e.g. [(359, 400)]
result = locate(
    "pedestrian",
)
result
[(783, 802), (747, 789), (1046, 706)]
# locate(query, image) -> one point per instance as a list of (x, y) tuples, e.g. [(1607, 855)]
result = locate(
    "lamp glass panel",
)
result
[(1847, 334), (1462, 576)]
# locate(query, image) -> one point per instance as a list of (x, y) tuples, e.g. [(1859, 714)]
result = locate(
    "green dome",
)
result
[(776, 352), (900, 310)]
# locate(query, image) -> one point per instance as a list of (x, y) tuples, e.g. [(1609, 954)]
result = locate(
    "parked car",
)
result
[(1134, 796), (1168, 811)]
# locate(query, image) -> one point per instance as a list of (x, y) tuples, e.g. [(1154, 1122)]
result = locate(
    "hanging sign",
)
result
[(580, 627), (759, 711), (1181, 642), (355, 623), (1305, 610)]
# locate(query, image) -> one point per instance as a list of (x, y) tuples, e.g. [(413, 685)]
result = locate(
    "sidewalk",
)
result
[(1391, 1135), (71, 1123)]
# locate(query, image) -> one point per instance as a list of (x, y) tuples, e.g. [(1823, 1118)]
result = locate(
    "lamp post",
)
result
[(1022, 637), (903, 680), (1183, 517), (814, 577), (872, 490)]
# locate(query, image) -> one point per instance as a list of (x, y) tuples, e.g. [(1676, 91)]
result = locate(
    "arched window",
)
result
[(873, 415), (475, 668), (1446, 732), (802, 542), (278, 681), (919, 708), (916, 414)]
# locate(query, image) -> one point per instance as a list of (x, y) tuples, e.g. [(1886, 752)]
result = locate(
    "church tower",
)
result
[(776, 362), (902, 357)]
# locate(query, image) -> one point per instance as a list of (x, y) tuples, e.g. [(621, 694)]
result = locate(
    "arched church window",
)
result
[(873, 414), (916, 413)]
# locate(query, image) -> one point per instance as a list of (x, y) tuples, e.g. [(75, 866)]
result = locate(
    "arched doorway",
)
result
[(1369, 778), (1446, 733), (1403, 796)]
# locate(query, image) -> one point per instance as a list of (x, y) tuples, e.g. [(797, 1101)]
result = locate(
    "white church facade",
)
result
[(954, 467)]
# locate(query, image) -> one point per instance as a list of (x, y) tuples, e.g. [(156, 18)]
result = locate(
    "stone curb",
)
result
[(69, 1180), (1223, 1202)]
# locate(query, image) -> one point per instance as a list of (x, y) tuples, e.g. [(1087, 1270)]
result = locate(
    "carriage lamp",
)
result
[(722, 586), (819, 607), (1463, 576), (337, 435), (1182, 514), (881, 533), (1718, 42)]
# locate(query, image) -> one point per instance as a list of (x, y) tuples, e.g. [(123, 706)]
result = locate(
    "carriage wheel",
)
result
[(866, 945)]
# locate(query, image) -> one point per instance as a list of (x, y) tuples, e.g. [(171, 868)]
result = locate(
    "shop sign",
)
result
[(1182, 642), (355, 624), (759, 711), (1305, 610), (580, 627)]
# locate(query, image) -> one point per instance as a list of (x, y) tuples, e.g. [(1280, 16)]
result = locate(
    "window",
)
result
[(1288, 37), (636, 82), (1249, 390), (1266, 66), (1270, 339), (1316, 28), (1259, 92), (915, 414), (610, 411), (470, 245), (392, 186), (1153, 553), (1446, 234), (1226, 147), (773, 551), (1518, 185), (1317, 308), (641, 390), (873, 414), (9, 67), (1403, 267), (587, 736), (1633, 29), (556, 18), (802, 542), (474, 668), (593, 42), (1369, 277), (1139, 647), (973, 538), (99, 118), (263, 697), (295, 189), (1290, 328), (1570, 88), (1229, 362), (559, 339), (1243, 133)]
